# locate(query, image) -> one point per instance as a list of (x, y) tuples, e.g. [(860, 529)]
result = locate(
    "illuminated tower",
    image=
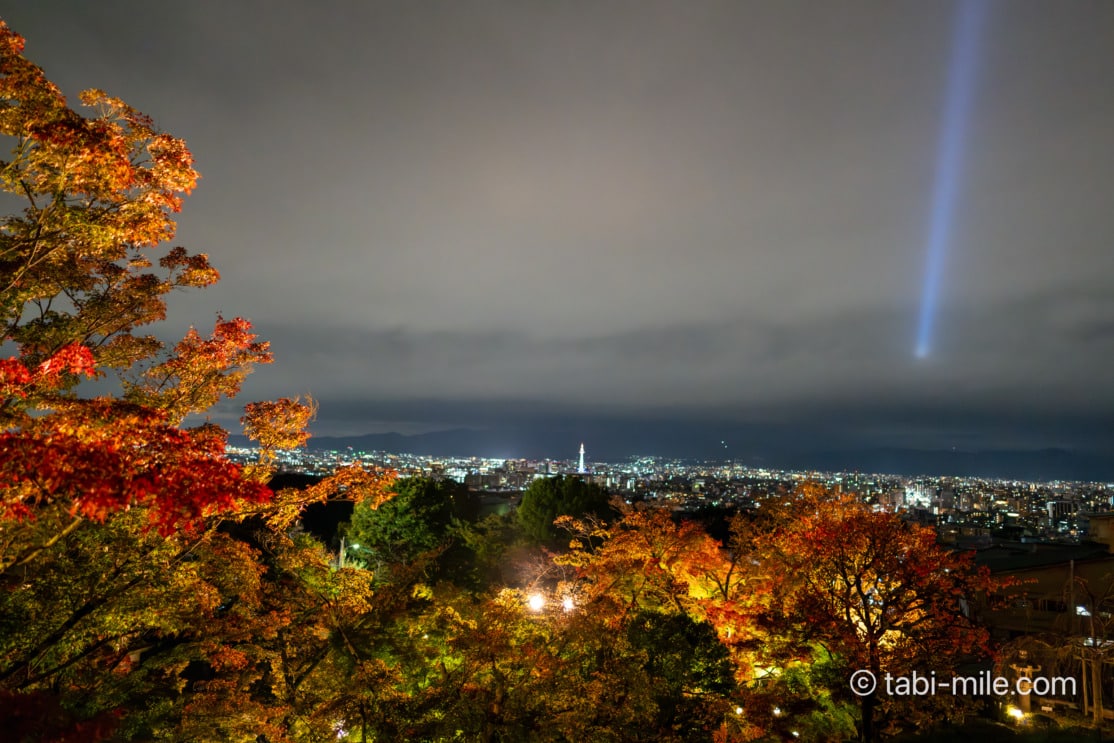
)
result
[(580, 467)]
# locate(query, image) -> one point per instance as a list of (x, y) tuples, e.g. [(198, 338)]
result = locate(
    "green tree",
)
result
[(691, 671), (478, 556), (565, 495), (413, 522)]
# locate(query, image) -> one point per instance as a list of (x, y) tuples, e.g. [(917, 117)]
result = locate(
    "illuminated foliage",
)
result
[(278, 424), (98, 195), (876, 592), (97, 457), (644, 561), (352, 484), (200, 371), (413, 522), (119, 591), (677, 596)]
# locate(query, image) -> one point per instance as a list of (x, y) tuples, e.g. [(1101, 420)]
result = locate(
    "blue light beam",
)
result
[(961, 75)]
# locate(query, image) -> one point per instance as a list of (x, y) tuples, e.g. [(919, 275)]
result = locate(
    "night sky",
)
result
[(612, 219)]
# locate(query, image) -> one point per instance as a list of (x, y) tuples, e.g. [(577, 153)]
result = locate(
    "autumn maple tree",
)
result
[(683, 603), (875, 593), (132, 551), (77, 281)]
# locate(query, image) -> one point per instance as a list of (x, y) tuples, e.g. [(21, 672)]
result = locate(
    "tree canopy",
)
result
[(414, 521), (875, 590), (565, 495), (77, 280), (123, 601)]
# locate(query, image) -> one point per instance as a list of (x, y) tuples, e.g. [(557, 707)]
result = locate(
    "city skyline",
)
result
[(631, 220)]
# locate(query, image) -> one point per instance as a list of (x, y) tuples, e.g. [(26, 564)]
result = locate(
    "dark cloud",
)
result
[(461, 213), (852, 367)]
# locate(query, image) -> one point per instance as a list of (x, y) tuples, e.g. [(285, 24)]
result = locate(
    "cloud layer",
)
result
[(473, 213)]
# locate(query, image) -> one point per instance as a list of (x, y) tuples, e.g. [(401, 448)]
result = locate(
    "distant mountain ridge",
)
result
[(1030, 465), (1037, 465)]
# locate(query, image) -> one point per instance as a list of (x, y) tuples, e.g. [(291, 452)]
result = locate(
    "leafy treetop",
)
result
[(564, 495), (77, 280)]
